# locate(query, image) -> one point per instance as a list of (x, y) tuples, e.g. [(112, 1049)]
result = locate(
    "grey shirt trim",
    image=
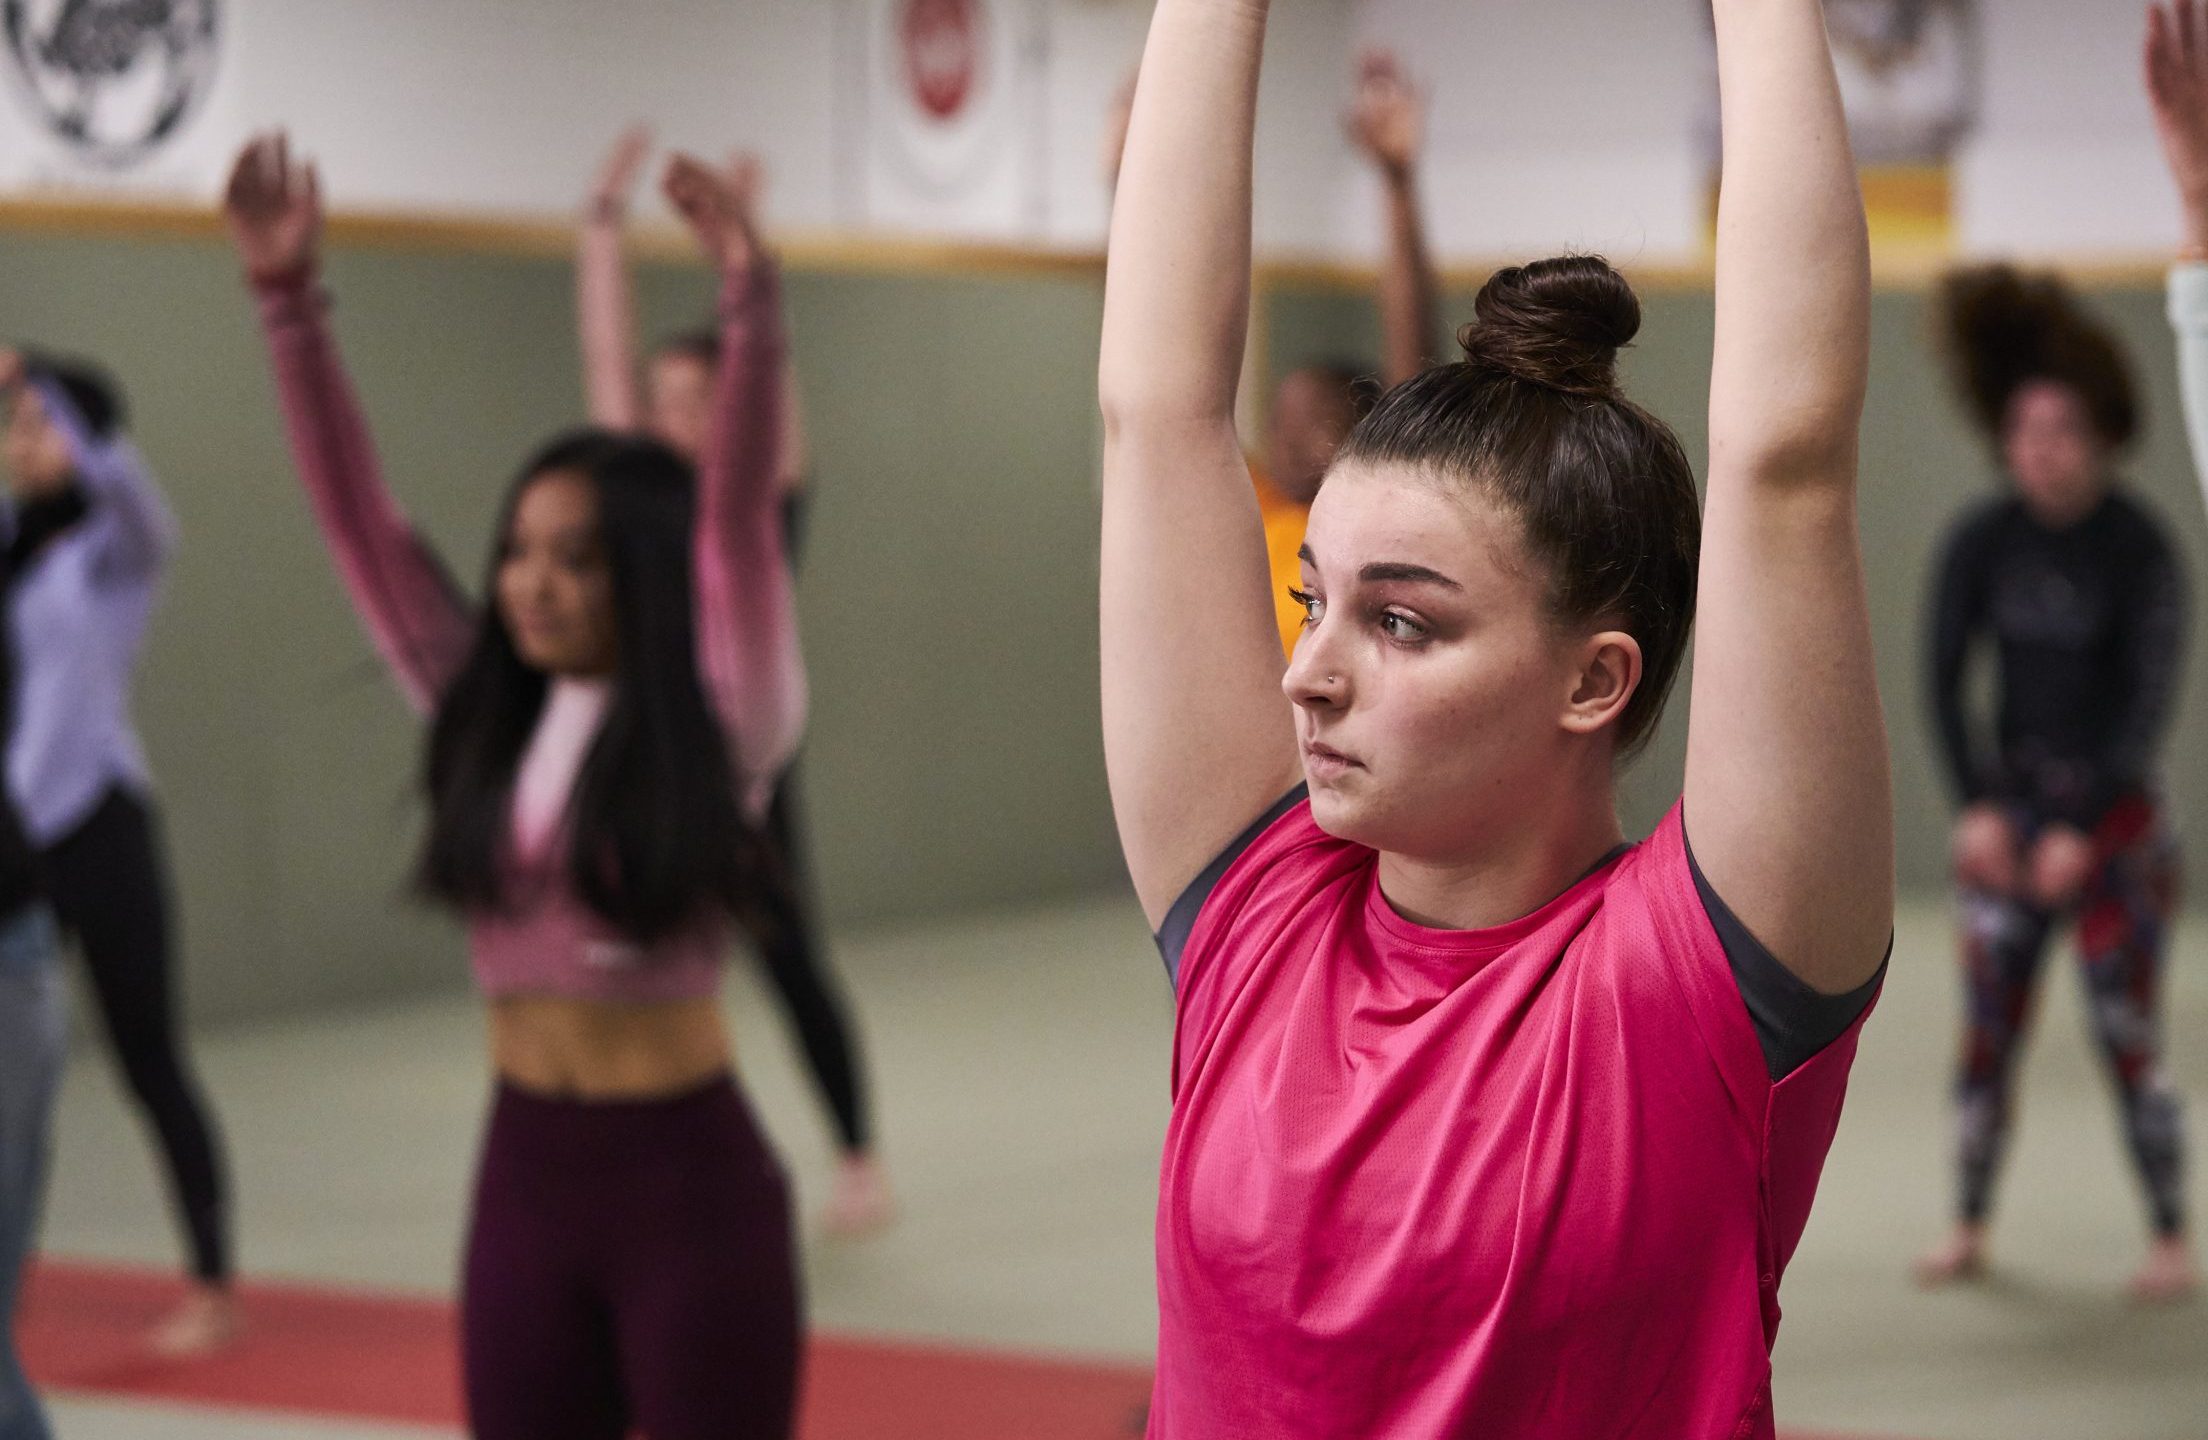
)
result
[(1180, 921), (1794, 1022)]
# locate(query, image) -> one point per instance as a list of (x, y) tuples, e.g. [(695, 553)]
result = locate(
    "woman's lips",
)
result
[(1324, 762)]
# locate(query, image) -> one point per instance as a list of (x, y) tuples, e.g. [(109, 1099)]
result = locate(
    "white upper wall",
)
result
[(1575, 123), (1551, 126), (491, 105), (505, 105), (1556, 123), (2067, 158)]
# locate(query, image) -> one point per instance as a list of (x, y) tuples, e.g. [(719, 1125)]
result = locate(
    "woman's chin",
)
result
[(1339, 810), (558, 661)]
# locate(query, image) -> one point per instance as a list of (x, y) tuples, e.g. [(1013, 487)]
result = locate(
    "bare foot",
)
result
[(205, 1322), (2169, 1274), (1962, 1258), (861, 1203)]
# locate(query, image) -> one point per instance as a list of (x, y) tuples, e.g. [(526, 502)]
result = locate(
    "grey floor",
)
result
[(1021, 1069)]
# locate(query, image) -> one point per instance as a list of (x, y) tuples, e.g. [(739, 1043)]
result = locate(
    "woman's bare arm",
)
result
[(1788, 791), (605, 304), (1198, 738)]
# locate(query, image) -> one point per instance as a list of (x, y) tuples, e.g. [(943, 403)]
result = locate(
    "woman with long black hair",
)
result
[(606, 731), (91, 543)]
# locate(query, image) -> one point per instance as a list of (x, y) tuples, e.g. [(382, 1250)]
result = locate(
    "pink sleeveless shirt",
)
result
[(547, 941), (1530, 1181)]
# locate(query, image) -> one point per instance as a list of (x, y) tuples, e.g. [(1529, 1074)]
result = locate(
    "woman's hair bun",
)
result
[(1558, 323)]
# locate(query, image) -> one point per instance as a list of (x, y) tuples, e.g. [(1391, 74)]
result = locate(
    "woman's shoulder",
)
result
[(1983, 520), (2137, 521), (1280, 854)]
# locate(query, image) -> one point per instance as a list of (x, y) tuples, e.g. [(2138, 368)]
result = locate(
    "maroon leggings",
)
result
[(629, 1268)]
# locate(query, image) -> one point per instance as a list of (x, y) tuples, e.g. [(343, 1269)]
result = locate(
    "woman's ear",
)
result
[(1603, 682)]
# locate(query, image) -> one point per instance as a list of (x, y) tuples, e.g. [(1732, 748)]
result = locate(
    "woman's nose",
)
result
[(1315, 675)]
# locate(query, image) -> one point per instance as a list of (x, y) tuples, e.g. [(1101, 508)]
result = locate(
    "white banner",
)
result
[(944, 121)]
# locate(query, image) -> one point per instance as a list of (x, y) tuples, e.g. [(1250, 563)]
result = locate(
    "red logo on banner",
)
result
[(942, 42)]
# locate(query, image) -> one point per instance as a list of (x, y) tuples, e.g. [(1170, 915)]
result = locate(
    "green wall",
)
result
[(1921, 466), (948, 593)]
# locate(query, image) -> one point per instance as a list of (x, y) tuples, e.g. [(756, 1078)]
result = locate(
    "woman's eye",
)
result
[(1400, 627), (1312, 605)]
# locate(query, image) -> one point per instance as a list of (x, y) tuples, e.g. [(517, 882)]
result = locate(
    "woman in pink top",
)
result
[(1485, 1123), (605, 734)]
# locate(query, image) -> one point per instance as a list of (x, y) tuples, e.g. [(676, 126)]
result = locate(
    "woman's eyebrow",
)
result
[(1399, 570), (1385, 570)]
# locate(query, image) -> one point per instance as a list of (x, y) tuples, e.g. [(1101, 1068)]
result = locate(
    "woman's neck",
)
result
[(1511, 874), (580, 682), (2069, 516)]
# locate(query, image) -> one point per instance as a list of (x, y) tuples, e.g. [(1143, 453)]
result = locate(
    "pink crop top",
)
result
[(550, 943)]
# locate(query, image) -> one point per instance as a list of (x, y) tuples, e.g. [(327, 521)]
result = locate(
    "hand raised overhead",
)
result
[(1387, 119), (615, 183), (720, 205), (274, 207), (2177, 85)]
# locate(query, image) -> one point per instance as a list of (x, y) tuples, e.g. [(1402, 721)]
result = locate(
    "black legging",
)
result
[(785, 934), (110, 892)]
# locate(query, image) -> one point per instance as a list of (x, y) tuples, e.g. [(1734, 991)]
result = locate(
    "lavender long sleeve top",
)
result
[(77, 619)]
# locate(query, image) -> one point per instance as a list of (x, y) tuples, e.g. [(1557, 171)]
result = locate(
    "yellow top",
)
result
[(1284, 522)]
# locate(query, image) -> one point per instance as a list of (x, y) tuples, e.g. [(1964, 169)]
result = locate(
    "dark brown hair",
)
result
[(90, 390), (2004, 328), (1534, 417)]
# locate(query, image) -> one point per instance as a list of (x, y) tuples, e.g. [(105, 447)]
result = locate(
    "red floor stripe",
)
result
[(307, 1351), (356, 1355), (339, 1355)]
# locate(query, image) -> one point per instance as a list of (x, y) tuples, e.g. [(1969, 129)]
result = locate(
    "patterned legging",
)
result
[(2123, 920)]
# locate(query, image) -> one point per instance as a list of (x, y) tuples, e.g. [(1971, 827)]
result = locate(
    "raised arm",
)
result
[(747, 637), (1198, 739), (1388, 123), (2177, 85), (415, 614), (794, 474), (605, 304), (1788, 796), (796, 468), (132, 530)]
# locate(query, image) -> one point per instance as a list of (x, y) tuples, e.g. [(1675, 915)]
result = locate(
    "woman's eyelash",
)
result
[(1417, 631)]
